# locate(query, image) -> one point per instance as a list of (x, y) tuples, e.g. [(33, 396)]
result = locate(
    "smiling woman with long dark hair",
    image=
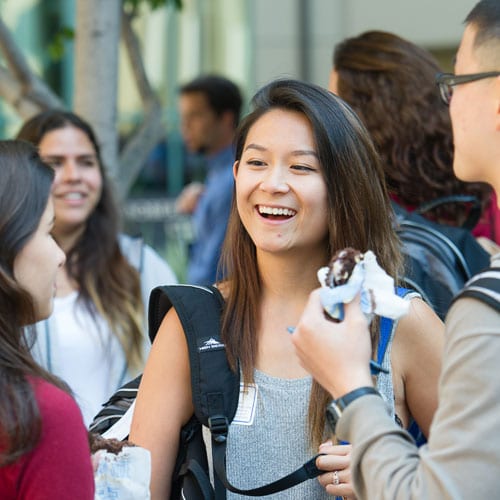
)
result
[(308, 182)]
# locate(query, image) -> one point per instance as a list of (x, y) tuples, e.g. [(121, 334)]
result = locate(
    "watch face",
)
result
[(332, 415)]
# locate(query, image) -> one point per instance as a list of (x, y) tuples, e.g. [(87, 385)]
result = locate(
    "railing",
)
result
[(168, 232)]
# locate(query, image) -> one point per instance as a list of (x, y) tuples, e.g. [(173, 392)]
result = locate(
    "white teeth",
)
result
[(73, 196), (276, 211)]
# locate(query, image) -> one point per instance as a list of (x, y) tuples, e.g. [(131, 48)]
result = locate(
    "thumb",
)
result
[(353, 309)]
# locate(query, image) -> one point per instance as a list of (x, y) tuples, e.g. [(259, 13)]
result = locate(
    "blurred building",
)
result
[(249, 41)]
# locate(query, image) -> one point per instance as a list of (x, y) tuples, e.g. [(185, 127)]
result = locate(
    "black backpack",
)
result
[(439, 259), (215, 398)]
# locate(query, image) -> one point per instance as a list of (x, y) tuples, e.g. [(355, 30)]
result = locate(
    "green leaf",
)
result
[(57, 45)]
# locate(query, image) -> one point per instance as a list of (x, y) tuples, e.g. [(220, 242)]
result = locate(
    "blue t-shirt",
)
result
[(210, 219)]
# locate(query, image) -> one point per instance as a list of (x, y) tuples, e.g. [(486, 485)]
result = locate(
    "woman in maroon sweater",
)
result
[(44, 451)]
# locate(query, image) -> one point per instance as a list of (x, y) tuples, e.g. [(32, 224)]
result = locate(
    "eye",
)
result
[(303, 168), (52, 162), (256, 163), (88, 162)]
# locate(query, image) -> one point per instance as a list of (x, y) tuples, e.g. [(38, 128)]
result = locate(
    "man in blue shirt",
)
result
[(209, 108)]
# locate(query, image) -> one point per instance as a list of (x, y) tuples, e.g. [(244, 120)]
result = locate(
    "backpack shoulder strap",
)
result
[(386, 328), (484, 286), (386, 325), (215, 386), (474, 212)]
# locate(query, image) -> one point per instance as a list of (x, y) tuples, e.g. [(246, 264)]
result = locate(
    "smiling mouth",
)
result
[(276, 213), (72, 196)]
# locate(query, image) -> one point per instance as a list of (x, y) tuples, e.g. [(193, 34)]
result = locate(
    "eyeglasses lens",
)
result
[(446, 91)]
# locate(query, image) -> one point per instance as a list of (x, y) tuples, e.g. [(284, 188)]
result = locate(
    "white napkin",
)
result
[(125, 476), (378, 295)]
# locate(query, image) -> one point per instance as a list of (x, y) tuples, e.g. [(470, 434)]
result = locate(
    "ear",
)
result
[(236, 164), (333, 81)]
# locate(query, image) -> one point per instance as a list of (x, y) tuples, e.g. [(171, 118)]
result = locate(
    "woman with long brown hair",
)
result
[(95, 338), (307, 183), (390, 83), (44, 451)]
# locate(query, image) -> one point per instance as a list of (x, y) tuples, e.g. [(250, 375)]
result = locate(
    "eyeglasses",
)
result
[(446, 81)]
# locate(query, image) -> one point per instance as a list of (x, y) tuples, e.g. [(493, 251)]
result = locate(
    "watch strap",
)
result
[(348, 398), (336, 407)]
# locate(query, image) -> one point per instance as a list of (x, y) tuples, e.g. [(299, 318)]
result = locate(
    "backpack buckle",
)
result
[(219, 426)]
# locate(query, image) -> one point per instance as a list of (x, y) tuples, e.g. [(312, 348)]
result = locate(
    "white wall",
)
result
[(434, 24)]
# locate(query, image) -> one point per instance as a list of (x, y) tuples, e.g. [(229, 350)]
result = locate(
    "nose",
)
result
[(275, 180), (70, 171)]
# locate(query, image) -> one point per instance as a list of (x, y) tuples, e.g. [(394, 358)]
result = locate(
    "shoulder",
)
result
[(156, 268), (58, 410), (419, 333), (48, 395), (61, 458), (152, 267), (420, 318)]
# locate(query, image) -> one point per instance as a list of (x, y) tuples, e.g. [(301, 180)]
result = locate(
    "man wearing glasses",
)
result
[(462, 457)]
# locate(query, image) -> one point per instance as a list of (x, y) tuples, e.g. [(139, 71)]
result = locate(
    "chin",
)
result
[(45, 311)]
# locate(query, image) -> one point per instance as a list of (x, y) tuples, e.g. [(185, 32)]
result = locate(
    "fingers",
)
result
[(337, 457), (337, 483), (335, 449), (336, 463)]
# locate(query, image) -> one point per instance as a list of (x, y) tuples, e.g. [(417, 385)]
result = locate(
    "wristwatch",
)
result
[(337, 406)]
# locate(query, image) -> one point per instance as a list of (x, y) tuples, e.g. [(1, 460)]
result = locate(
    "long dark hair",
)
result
[(107, 283), (390, 83), (359, 215), (25, 183)]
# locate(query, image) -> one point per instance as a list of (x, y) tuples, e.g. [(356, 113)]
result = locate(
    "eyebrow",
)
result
[(297, 152), (83, 155)]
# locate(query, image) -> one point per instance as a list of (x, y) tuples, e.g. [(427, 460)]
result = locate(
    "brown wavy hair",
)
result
[(108, 284), (359, 215), (25, 183), (390, 83)]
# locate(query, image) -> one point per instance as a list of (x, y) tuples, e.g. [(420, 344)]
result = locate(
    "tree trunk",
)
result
[(96, 72), (19, 86), (151, 130)]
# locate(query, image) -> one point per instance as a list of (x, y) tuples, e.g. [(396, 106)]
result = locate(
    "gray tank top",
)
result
[(275, 441)]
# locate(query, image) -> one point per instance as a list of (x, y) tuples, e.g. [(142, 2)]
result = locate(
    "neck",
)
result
[(286, 284), (289, 276)]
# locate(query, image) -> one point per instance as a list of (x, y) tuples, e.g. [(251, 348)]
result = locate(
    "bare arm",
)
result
[(163, 403), (416, 359)]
